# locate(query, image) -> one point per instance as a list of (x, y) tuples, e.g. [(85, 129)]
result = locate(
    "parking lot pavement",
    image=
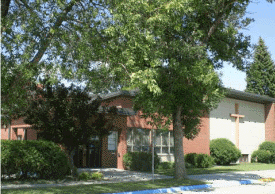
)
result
[(263, 188)]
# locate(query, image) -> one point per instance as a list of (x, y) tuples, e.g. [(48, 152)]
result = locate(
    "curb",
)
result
[(193, 187)]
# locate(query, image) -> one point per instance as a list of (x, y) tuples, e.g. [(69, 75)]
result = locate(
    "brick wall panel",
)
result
[(270, 122)]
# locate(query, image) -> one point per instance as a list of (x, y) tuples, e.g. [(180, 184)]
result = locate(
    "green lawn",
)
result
[(164, 183), (223, 169), (108, 188)]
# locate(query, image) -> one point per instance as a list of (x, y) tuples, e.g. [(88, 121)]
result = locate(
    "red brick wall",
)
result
[(270, 122), (20, 126), (122, 142), (108, 158), (201, 143), (5, 133), (136, 121)]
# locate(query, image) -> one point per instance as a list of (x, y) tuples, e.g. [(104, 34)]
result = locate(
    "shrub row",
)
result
[(265, 153), (43, 158), (224, 151), (140, 161), (199, 160)]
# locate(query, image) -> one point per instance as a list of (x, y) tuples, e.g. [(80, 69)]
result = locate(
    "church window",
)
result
[(164, 142), (112, 141), (138, 140)]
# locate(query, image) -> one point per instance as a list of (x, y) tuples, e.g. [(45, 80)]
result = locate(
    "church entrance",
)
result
[(93, 155), (89, 156)]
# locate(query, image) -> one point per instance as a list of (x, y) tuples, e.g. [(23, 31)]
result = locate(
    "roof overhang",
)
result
[(240, 95)]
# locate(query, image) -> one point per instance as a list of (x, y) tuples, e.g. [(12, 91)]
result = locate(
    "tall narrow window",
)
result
[(112, 141)]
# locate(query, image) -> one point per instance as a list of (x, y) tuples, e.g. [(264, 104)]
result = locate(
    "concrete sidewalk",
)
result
[(115, 175), (111, 175)]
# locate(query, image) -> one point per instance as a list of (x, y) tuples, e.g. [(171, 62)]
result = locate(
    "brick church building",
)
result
[(245, 119)]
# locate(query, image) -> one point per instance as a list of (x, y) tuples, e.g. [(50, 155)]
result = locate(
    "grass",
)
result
[(222, 169), (132, 186), (108, 188)]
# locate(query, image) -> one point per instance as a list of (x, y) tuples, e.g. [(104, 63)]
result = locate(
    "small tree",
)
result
[(260, 76), (68, 116)]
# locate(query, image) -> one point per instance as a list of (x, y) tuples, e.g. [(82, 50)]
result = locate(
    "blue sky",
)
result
[(264, 26)]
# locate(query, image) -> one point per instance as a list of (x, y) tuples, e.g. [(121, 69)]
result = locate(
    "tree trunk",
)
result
[(70, 154), (180, 170)]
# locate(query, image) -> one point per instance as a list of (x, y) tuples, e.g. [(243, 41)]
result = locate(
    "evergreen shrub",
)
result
[(43, 158), (261, 156), (190, 158), (198, 160), (269, 146), (224, 151), (140, 161), (204, 161)]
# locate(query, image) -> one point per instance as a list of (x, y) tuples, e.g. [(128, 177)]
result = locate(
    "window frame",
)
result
[(131, 141)]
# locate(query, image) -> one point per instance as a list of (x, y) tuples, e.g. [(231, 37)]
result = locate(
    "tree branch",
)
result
[(46, 42), (217, 22)]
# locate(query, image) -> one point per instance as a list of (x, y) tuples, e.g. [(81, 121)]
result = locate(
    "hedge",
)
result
[(43, 158)]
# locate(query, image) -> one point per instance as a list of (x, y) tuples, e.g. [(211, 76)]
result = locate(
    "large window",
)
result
[(138, 140), (164, 142)]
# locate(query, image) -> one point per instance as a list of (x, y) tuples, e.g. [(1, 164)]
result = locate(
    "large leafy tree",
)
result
[(260, 76), (68, 116), (46, 37), (169, 49)]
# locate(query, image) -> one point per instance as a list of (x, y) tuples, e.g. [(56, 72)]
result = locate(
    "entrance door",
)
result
[(94, 154)]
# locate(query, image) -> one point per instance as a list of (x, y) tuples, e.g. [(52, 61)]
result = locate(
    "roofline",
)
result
[(240, 95), (230, 93), (131, 93)]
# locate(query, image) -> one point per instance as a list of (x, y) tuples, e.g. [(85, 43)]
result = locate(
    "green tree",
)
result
[(46, 37), (68, 116), (260, 76), (169, 49)]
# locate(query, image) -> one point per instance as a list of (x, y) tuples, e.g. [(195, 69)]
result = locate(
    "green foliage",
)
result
[(85, 176), (169, 49), (190, 158), (44, 158), (37, 39), (97, 176), (204, 161), (269, 146), (140, 161), (199, 160), (262, 156), (260, 76), (166, 165), (224, 151), (67, 116)]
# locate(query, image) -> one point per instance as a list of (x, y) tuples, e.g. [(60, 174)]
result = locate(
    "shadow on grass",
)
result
[(221, 169), (109, 188)]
